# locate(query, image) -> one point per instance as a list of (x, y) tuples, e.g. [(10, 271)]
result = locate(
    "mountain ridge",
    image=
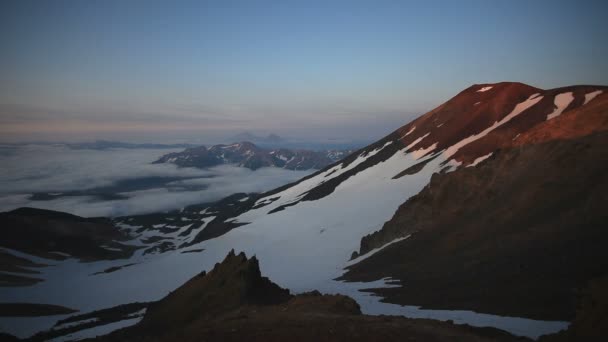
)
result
[(247, 154)]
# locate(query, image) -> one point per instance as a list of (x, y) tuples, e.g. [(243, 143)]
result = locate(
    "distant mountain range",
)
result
[(247, 154)]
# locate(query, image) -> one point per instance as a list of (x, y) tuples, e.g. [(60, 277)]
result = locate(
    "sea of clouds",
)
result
[(32, 168)]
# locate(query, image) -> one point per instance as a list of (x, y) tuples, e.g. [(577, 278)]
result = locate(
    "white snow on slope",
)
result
[(480, 159), (314, 238), (519, 108), (484, 89), (374, 251), (415, 142), (419, 153), (371, 305), (590, 96), (76, 323), (297, 191), (561, 102), (98, 330), (408, 132)]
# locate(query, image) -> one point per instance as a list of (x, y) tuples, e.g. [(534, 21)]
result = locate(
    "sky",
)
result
[(189, 71)]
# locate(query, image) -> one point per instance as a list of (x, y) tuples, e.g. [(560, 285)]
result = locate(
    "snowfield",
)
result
[(303, 247)]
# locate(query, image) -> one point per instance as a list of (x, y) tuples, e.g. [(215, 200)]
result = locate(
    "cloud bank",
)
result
[(57, 169)]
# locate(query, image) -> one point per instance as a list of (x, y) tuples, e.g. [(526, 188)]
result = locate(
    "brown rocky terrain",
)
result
[(518, 234), (234, 302), (472, 111)]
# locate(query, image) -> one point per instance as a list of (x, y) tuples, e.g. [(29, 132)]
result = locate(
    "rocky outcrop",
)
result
[(235, 282), (233, 302)]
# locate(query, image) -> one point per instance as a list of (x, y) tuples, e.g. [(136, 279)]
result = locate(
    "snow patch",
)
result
[(415, 142), (374, 251), (561, 102), (519, 108), (423, 151), (408, 132), (371, 304), (590, 96), (484, 89), (98, 330), (480, 159), (76, 323)]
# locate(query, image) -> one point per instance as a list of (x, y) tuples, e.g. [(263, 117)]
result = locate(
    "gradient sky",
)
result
[(184, 70)]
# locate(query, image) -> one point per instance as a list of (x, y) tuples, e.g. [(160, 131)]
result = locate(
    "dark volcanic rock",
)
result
[(515, 235), (233, 302), (32, 310), (591, 321), (235, 282), (44, 232)]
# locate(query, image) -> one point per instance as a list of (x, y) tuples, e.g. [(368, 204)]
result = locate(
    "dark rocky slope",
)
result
[(50, 234), (234, 302), (516, 235), (54, 235), (591, 321)]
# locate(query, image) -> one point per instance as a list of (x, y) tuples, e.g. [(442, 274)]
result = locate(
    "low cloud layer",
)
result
[(56, 169)]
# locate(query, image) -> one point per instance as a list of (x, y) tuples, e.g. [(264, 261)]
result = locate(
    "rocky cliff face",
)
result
[(235, 282), (514, 235)]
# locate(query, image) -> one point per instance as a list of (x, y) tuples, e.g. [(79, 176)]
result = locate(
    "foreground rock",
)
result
[(234, 302)]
